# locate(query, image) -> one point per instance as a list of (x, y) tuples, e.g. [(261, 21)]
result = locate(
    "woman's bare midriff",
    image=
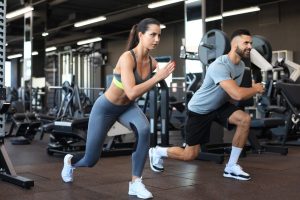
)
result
[(116, 96)]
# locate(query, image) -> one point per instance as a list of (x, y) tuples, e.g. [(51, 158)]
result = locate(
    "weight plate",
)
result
[(213, 44), (263, 46)]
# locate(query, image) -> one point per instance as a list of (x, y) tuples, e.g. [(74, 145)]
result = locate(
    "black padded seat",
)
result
[(48, 127), (276, 109), (68, 127), (24, 126), (267, 123), (291, 90)]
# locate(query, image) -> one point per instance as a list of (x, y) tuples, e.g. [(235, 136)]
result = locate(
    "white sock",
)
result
[(161, 151), (234, 155)]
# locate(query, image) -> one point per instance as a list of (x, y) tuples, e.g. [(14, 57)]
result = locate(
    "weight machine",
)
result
[(284, 82), (159, 118)]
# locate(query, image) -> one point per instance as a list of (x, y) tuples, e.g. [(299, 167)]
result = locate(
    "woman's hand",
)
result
[(162, 73)]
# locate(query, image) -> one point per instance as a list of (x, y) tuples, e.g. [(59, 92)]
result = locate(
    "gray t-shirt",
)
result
[(211, 95)]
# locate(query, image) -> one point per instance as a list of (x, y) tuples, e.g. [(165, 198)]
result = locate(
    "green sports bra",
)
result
[(138, 80)]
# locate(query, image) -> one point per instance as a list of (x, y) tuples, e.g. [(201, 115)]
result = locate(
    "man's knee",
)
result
[(245, 120), (190, 155)]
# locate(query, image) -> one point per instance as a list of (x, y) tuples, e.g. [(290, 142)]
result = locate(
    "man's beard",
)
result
[(241, 53)]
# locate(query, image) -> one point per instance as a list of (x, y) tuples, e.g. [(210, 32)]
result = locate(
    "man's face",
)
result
[(244, 46)]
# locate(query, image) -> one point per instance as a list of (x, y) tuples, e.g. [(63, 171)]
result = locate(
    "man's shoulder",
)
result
[(220, 60), (219, 64)]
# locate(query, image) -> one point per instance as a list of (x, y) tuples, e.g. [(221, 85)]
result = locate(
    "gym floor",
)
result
[(273, 177)]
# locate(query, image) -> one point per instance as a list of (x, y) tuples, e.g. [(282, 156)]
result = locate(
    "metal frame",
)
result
[(164, 114), (7, 171)]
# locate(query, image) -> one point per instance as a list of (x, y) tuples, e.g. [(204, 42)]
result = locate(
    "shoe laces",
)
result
[(239, 168), (70, 170), (157, 160), (139, 183)]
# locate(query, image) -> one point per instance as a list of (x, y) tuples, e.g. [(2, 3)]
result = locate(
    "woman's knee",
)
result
[(91, 163), (143, 131)]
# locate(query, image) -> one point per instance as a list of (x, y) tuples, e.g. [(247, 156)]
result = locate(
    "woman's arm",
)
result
[(134, 91)]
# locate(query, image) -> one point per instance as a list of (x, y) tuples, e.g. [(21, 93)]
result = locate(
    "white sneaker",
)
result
[(156, 161), (138, 189), (67, 171), (235, 171)]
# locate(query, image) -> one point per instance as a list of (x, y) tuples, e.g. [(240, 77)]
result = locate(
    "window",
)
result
[(193, 35), (7, 74)]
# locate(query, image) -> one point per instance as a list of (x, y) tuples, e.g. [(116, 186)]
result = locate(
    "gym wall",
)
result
[(278, 23)]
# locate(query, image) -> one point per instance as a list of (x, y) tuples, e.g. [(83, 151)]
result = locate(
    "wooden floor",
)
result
[(273, 177)]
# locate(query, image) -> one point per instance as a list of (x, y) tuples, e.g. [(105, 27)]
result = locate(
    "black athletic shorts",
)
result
[(198, 126)]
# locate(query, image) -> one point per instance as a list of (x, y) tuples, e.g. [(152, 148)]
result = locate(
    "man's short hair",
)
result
[(240, 32)]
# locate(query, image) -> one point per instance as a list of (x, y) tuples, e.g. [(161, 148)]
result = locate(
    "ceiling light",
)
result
[(213, 18), (50, 49), (18, 12), (233, 12), (45, 34), (162, 26), (241, 11), (190, 1), (14, 56), (96, 39), (163, 3), (34, 53), (90, 21)]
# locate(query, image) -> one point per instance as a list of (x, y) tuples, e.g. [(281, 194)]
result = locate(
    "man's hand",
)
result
[(259, 87)]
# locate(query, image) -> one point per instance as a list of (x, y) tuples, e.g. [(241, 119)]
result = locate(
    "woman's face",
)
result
[(150, 39)]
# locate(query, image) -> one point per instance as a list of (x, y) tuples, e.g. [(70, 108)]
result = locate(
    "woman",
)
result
[(132, 78)]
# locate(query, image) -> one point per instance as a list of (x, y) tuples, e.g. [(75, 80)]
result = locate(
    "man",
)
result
[(214, 102)]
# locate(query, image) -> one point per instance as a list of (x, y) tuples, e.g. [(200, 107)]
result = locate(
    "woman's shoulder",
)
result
[(125, 59), (125, 56)]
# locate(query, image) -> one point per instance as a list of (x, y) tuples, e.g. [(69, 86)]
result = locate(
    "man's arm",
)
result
[(241, 93)]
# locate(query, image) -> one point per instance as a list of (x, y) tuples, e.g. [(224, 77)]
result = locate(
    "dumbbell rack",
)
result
[(7, 171)]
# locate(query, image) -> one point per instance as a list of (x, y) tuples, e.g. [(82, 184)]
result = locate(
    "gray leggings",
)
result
[(103, 115)]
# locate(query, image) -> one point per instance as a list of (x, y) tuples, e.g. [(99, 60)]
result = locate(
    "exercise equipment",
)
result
[(263, 47), (163, 123), (289, 133), (262, 63), (213, 44), (67, 132), (294, 69), (7, 171), (24, 127), (260, 126)]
